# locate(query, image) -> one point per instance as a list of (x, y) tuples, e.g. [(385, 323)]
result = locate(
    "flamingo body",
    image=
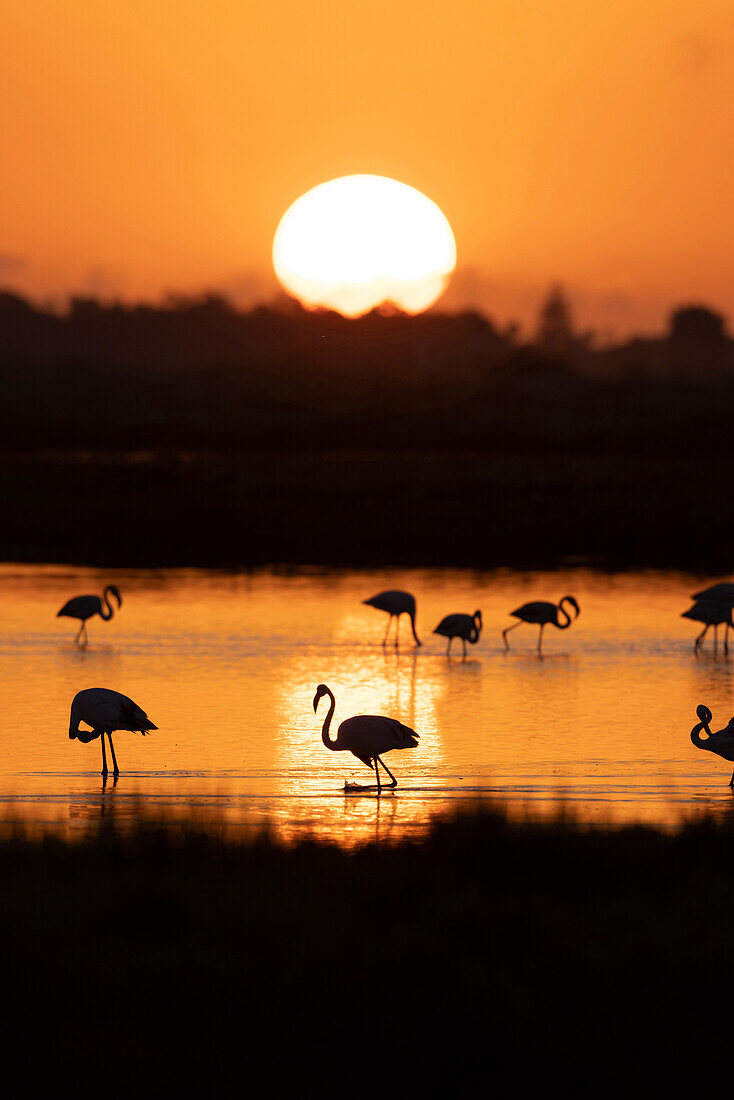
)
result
[(721, 741), (396, 603), (543, 612), (84, 607), (366, 736), (711, 613), (460, 625), (106, 711)]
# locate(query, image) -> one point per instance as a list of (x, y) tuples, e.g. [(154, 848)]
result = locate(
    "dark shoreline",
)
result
[(474, 510), (157, 956)]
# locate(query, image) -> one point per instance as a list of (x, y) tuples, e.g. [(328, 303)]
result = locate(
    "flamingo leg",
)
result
[(394, 781), (116, 770), (507, 631), (540, 638), (448, 647), (84, 630), (463, 642), (104, 756), (699, 640), (726, 639), (731, 781), (397, 630), (389, 624), (716, 636)]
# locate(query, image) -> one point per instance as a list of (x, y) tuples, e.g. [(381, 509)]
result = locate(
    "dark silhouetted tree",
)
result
[(555, 334)]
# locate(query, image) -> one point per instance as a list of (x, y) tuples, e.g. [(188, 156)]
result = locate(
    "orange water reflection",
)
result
[(226, 665)]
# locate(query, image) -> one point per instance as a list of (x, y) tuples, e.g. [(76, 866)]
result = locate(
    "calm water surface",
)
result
[(226, 666)]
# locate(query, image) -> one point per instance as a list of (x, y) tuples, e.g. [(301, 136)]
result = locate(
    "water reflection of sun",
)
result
[(369, 682)]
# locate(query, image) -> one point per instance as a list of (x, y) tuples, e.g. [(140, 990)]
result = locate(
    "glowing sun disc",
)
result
[(358, 241)]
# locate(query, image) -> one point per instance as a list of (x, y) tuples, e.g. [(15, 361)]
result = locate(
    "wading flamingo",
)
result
[(712, 614), (466, 627), (366, 736), (541, 612), (722, 593), (83, 607), (721, 742), (106, 711), (396, 603)]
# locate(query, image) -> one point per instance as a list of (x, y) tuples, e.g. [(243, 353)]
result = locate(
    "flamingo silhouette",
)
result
[(459, 625), (721, 742), (542, 612), (366, 736), (396, 603), (722, 593), (712, 614), (83, 607), (106, 711)]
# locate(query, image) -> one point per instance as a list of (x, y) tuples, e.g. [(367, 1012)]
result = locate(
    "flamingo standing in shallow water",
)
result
[(366, 736), (83, 607), (396, 603), (721, 742), (542, 612), (106, 711), (722, 593), (712, 614), (466, 627)]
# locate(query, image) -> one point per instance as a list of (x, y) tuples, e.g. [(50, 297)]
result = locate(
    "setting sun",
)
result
[(358, 241)]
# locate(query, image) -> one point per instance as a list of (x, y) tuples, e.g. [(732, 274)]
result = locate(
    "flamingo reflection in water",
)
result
[(721, 742), (84, 607), (366, 736), (542, 612), (711, 613), (459, 625), (106, 711), (396, 603)]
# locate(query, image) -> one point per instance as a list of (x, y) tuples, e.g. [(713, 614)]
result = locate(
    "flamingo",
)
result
[(466, 627), (105, 711), (721, 742), (712, 614), (396, 603), (366, 736), (83, 607), (723, 593), (542, 612)]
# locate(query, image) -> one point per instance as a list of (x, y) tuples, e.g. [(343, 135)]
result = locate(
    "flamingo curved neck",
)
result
[(562, 610), (106, 603), (698, 741), (327, 722)]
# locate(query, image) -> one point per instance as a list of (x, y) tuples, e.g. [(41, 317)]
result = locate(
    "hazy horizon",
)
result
[(153, 147)]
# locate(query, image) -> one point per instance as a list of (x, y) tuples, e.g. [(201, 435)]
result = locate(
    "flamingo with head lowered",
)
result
[(366, 736), (542, 612), (396, 603), (459, 625), (83, 607), (711, 613), (721, 742), (106, 711)]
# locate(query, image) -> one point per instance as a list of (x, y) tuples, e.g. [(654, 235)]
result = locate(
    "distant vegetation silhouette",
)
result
[(201, 374)]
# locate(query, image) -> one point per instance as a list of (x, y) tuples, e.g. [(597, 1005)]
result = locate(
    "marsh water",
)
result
[(226, 665)]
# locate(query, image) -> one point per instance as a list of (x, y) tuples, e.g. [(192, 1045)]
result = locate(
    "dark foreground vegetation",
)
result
[(166, 960)]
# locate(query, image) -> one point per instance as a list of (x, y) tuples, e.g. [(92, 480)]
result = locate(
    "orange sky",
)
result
[(153, 145)]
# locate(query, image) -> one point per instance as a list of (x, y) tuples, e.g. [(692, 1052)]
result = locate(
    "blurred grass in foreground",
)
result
[(170, 958)]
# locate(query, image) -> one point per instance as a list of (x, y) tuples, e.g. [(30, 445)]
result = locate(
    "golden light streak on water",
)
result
[(226, 666)]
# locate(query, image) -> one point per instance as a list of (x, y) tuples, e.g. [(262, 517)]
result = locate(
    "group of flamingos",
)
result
[(369, 736)]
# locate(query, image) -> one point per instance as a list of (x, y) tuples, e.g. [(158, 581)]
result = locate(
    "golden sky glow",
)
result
[(356, 242), (153, 145)]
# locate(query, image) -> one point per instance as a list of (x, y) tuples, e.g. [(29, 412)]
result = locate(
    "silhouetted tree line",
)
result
[(202, 374)]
